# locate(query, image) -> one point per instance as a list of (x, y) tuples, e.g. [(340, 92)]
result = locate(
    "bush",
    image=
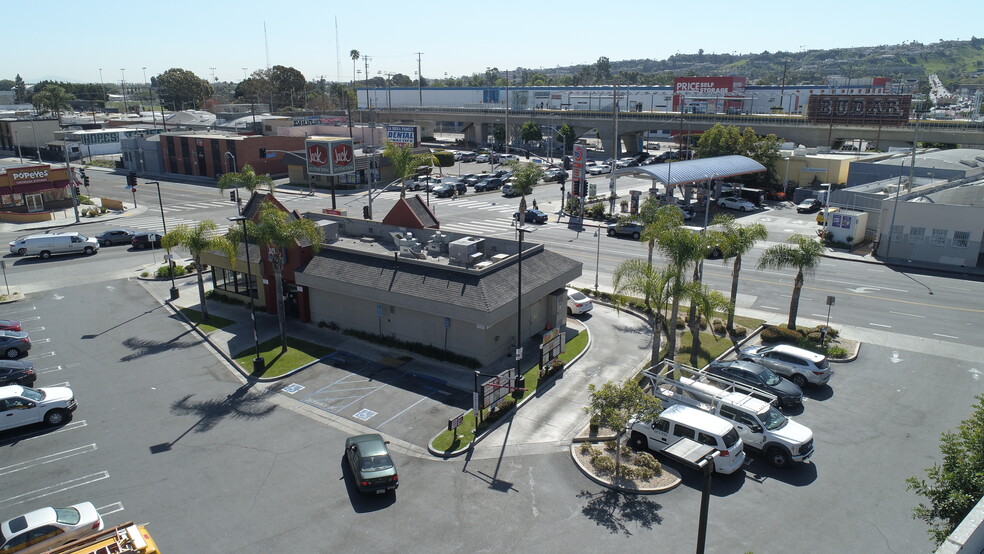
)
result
[(145, 274), (836, 352), (646, 460), (589, 450), (780, 334), (611, 445), (681, 323), (628, 472), (603, 465), (739, 331), (644, 474), (814, 336), (500, 409), (428, 350), (164, 272), (701, 322), (719, 328)]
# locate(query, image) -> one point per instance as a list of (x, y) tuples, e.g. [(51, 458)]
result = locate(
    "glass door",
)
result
[(34, 202)]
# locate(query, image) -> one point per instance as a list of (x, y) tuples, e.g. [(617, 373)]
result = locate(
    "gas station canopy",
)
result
[(693, 171)]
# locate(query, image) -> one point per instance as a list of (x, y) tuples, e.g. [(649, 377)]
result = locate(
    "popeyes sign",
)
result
[(329, 156)]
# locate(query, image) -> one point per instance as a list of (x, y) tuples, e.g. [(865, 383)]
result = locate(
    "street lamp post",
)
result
[(258, 362), (520, 229), (174, 289), (19, 152)]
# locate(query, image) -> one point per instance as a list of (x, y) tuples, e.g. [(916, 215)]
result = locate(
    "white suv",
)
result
[(20, 406), (798, 365)]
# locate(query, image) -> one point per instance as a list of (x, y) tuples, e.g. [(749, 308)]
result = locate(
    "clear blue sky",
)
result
[(70, 41)]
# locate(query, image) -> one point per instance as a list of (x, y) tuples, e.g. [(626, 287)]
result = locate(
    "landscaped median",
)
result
[(299, 354), (448, 443)]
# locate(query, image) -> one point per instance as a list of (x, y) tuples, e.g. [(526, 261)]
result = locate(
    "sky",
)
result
[(72, 41)]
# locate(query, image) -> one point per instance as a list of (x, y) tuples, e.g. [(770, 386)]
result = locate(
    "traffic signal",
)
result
[(77, 193), (85, 179), (262, 152), (82, 172), (365, 212), (232, 195), (131, 179)]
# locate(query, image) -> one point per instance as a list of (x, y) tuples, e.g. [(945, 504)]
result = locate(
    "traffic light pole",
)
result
[(71, 183)]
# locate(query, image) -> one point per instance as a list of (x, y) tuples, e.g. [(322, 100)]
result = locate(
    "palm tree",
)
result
[(703, 302), (52, 98), (278, 229), (736, 241), (247, 178), (525, 177), (682, 247), (805, 256), (657, 220), (354, 54), (199, 239), (405, 162), (635, 276)]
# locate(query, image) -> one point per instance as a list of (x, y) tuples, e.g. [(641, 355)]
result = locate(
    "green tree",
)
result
[(613, 406), (566, 136), (525, 176), (637, 277), (498, 133), (682, 247), (721, 140), (277, 229), (703, 303), (288, 83), (199, 239), (530, 132), (405, 162), (20, 89), (52, 98), (955, 486), (247, 178), (803, 253), (354, 54), (736, 241), (603, 69), (181, 88), (258, 87), (6, 84)]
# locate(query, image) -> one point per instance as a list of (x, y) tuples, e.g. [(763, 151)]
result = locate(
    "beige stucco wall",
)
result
[(932, 216)]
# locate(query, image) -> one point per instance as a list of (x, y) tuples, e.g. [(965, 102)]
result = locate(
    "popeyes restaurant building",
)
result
[(29, 192)]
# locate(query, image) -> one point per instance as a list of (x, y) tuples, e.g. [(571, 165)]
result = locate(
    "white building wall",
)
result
[(919, 221)]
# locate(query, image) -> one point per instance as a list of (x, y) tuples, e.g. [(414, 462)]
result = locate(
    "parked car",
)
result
[(796, 364), (809, 206), (47, 244), (146, 239), (14, 343), (532, 216), (599, 169), (49, 527), (578, 303), (625, 229), (17, 372), (482, 158), (736, 203), (461, 187), (443, 190), (20, 406), (110, 237), (469, 156), (371, 464), (761, 378), (554, 175), (10, 325), (680, 421), (492, 183), (468, 178)]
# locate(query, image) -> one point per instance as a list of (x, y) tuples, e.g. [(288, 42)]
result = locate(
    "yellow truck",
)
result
[(124, 539), (820, 215)]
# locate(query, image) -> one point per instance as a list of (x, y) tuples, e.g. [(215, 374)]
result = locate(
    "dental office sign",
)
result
[(402, 134), (329, 156)]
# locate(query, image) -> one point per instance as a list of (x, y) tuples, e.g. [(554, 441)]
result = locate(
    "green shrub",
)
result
[(603, 465), (647, 461), (627, 472), (836, 352), (814, 336), (145, 274), (611, 445), (644, 474), (627, 451), (595, 211), (780, 334), (428, 350), (589, 450), (680, 323), (719, 328), (739, 331), (164, 272)]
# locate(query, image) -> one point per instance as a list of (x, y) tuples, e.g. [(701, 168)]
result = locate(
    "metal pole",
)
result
[(895, 208), (174, 289), (258, 362), (520, 381), (75, 199), (20, 154), (37, 147), (597, 257), (705, 499), (3, 266)]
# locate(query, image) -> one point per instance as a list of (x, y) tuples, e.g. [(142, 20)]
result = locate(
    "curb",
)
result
[(607, 484), (499, 422)]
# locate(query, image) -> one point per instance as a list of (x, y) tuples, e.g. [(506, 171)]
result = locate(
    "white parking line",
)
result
[(403, 410), (910, 315), (48, 459), (770, 308), (880, 325), (54, 489), (945, 336), (110, 509)]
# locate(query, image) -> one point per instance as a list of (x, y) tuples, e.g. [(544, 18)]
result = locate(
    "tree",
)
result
[(20, 89), (405, 162), (181, 88), (354, 54), (736, 241), (703, 302), (638, 277), (498, 133), (603, 69), (721, 140), (566, 136), (400, 80), (956, 485), (198, 240), (614, 405), (275, 228), (525, 177), (804, 255), (530, 132), (258, 86), (52, 98), (287, 82), (6, 84), (247, 178), (683, 247)]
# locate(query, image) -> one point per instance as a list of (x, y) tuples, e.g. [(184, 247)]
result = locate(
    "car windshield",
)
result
[(32, 394), (731, 438), (823, 365), (68, 516), (770, 378), (376, 463), (773, 419)]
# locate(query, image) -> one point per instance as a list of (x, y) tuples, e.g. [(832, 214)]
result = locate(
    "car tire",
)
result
[(11, 353), (638, 441), (21, 251), (570, 312), (611, 232), (636, 235), (88, 251), (741, 208), (105, 243), (140, 246), (56, 417), (778, 457), (45, 254), (799, 380)]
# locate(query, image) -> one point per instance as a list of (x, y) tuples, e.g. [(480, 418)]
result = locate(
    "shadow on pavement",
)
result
[(363, 503), (613, 510)]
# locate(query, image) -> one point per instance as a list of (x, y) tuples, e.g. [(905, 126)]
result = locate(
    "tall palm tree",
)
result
[(802, 252), (682, 247), (405, 162), (703, 302), (525, 177), (247, 178), (637, 277), (354, 54), (52, 99), (278, 229), (736, 240), (199, 239)]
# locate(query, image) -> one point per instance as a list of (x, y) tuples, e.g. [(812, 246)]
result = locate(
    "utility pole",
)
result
[(126, 108), (507, 113), (366, 60), (420, 79)]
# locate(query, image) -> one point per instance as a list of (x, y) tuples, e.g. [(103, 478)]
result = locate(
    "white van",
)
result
[(680, 421), (45, 245)]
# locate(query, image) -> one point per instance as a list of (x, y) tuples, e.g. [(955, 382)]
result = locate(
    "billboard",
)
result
[(329, 156), (402, 134), (710, 85), (884, 109)]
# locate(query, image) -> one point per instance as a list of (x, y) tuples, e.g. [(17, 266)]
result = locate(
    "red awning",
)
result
[(39, 187)]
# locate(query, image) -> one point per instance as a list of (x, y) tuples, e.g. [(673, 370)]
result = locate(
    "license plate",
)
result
[(381, 491)]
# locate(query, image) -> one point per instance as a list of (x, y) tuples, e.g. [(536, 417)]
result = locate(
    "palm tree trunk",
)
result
[(695, 321), (654, 321), (794, 301), (735, 270), (671, 329), (281, 316), (201, 287)]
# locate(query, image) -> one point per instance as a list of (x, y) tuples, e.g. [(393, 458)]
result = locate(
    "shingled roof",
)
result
[(412, 213)]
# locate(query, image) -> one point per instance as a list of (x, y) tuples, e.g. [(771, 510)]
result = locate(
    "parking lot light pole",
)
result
[(174, 290), (520, 229), (258, 362)]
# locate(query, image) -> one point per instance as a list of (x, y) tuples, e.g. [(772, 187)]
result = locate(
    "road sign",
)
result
[(379, 310)]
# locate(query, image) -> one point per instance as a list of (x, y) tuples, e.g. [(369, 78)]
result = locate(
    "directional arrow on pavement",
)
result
[(895, 357), (862, 290)]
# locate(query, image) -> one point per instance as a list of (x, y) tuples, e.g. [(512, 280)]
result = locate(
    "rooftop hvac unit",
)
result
[(466, 251), (329, 230)]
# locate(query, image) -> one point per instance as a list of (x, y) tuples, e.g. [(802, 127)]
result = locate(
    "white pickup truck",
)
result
[(20, 406)]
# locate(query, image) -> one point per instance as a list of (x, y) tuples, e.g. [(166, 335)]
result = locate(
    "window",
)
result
[(896, 233), (916, 235), (960, 239), (729, 413), (684, 431), (704, 438), (232, 281), (662, 425), (938, 238)]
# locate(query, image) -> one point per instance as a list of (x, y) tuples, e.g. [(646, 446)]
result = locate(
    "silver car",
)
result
[(796, 364)]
